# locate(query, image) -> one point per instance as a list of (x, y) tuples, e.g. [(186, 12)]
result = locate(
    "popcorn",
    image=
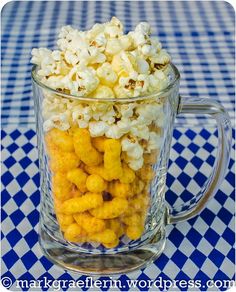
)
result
[(139, 130), (97, 129), (157, 81), (57, 121), (126, 42), (102, 92), (135, 164), (142, 66), (99, 42), (154, 142), (114, 28), (135, 84), (126, 110), (106, 75), (114, 132), (160, 60), (113, 46), (86, 80), (82, 115), (132, 147), (144, 28)]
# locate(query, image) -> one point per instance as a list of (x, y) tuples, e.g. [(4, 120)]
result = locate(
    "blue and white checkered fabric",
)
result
[(200, 37)]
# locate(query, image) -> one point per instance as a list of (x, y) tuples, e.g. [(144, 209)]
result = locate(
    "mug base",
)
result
[(102, 264)]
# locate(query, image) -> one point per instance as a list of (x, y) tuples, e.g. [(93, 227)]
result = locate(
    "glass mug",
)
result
[(102, 212)]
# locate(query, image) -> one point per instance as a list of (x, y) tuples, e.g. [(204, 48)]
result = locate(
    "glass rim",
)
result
[(123, 99)]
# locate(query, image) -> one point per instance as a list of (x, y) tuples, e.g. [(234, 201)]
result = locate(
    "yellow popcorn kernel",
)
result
[(146, 173), (120, 190), (95, 183), (128, 175), (61, 187), (106, 75), (110, 209), (134, 219), (112, 160), (74, 233), (98, 143), (106, 236), (134, 232), (78, 177), (117, 226), (112, 244), (84, 149), (63, 161), (83, 203), (62, 140), (103, 91), (64, 221), (89, 223)]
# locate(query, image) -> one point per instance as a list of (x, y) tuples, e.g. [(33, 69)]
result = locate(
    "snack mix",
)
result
[(101, 153)]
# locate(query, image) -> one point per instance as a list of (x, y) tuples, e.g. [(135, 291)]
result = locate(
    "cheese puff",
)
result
[(120, 190), (78, 177), (83, 203), (112, 244), (110, 209), (146, 173), (99, 170), (95, 183), (98, 143), (112, 160), (128, 175), (117, 226), (151, 158), (138, 186), (139, 202), (89, 223), (106, 75), (74, 233), (61, 187), (75, 192), (84, 148), (106, 236), (62, 140), (134, 219), (57, 205), (50, 146), (64, 221), (102, 91), (134, 232), (63, 161)]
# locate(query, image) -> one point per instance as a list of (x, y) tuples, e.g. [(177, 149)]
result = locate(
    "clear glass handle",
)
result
[(189, 105)]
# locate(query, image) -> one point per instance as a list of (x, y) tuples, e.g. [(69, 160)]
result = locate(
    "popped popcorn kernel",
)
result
[(106, 75), (103, 91)]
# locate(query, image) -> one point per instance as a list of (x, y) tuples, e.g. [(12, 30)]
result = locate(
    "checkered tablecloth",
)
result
[(200, 37)]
